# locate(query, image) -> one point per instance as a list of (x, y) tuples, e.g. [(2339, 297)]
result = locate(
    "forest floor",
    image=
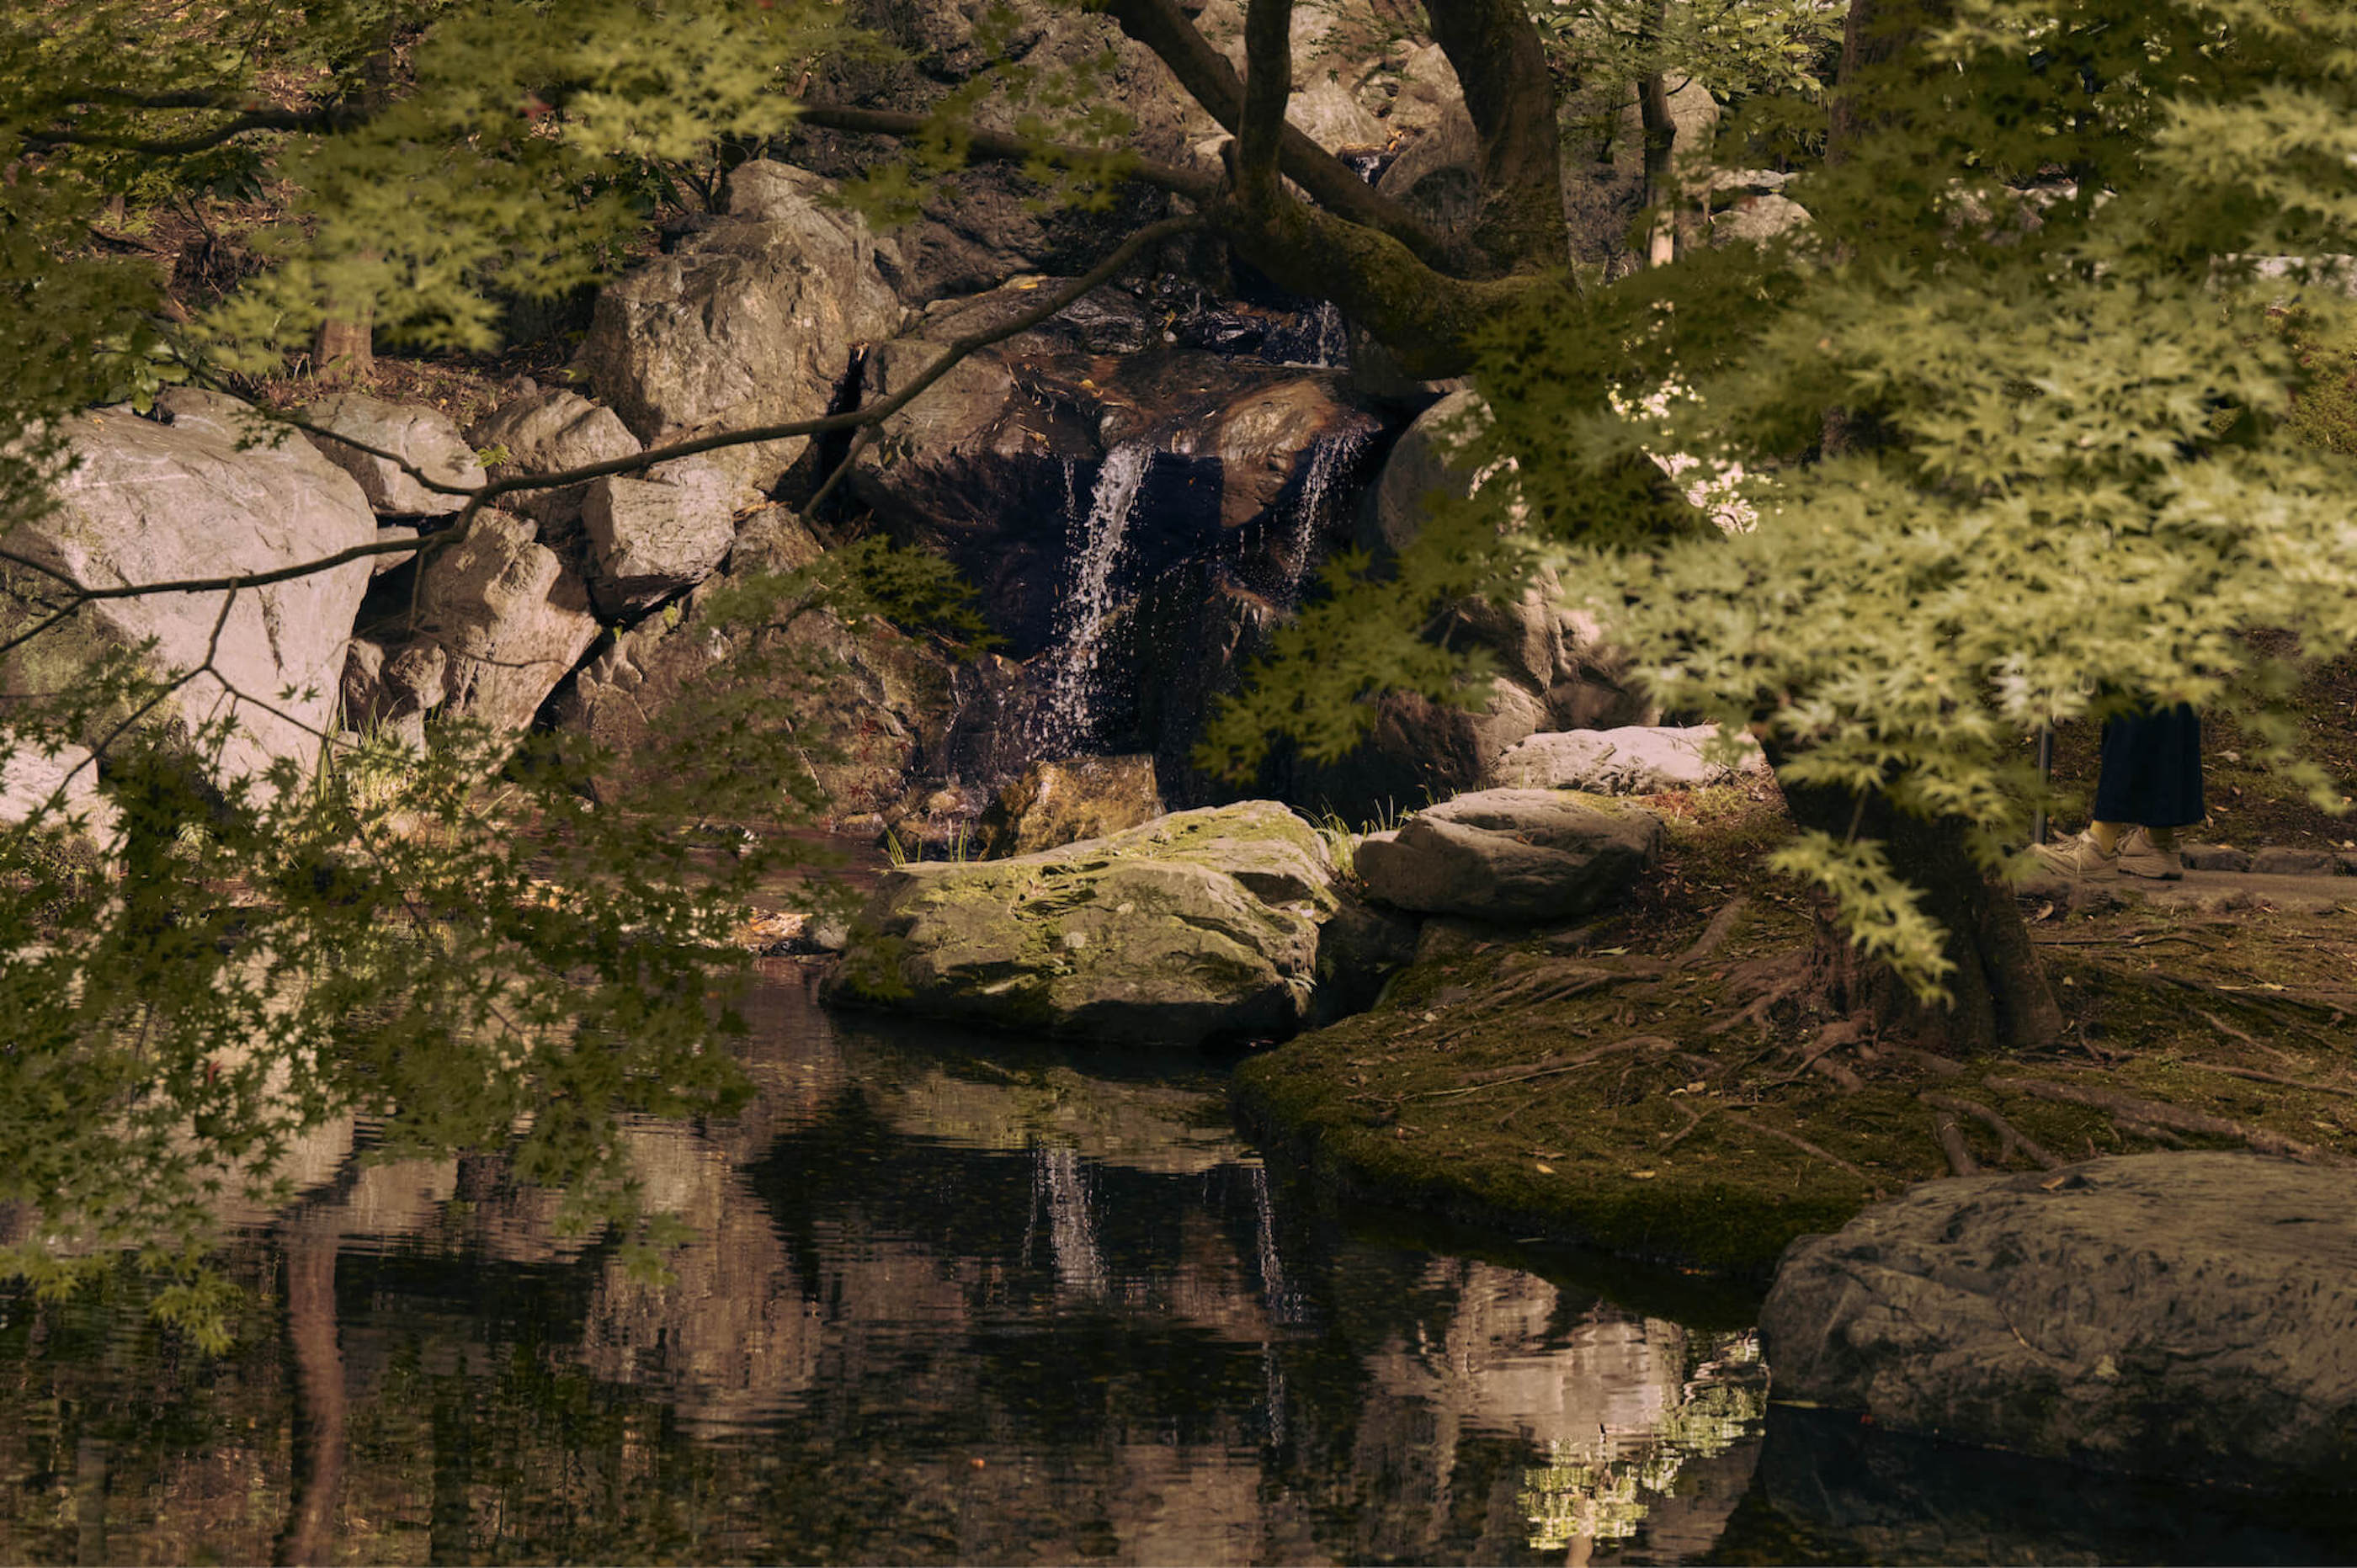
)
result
[(1656, 1084)]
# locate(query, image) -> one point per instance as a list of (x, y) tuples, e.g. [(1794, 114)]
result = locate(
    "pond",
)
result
[(954, 1301)]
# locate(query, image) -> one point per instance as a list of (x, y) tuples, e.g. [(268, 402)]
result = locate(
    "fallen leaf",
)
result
[(1640, 1176), (1545, 1168)]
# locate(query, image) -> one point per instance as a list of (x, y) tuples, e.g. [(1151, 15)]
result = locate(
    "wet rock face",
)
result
[(1511, 855), (151, 502), (2182, 1314), (999, 462), (1057, 804), (1197, 926)]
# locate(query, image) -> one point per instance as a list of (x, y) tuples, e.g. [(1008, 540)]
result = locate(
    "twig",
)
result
[(1833, 1037), (1555, 1069), (2160, 1113), (2009, 1137), (1799, 1143), (1694, 1119)]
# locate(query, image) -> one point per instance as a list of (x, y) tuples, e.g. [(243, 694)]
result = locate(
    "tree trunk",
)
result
[(1660, 142), (345, 349), (2001, 998)]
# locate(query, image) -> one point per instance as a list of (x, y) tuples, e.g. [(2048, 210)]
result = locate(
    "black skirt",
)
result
[(2152, 769)]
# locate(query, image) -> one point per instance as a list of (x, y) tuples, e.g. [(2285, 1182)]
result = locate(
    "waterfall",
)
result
[(1310, 509), (1067, 721)]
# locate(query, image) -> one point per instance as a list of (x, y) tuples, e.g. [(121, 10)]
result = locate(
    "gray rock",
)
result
[(752, 322), (2186, 1315), (1057, 804), (1512, 854), (547, 432), (774, 538), (1199, 925), (2281, 860), (650, 540), (512, 621), (1632, 761), (423, 437), (151, 502), (2213, 857)]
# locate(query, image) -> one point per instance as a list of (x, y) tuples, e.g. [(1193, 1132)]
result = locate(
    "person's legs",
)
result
[(2149, 787)]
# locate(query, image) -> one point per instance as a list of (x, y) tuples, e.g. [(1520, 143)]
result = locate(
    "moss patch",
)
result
[(1589, 1086)]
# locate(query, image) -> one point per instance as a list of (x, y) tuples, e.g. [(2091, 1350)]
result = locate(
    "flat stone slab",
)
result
[(2178, 1314)]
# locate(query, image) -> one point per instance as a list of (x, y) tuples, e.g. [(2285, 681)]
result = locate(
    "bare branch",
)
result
[(1051, 301), (202, 141)]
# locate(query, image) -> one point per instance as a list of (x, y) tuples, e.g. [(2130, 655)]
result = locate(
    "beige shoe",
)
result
[(2140, 856), (2081, 859)]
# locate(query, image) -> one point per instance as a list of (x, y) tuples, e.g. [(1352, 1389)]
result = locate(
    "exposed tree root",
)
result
[(1714, 936), (1694, 1119), (2010, 1139), (2257, 1075), (1832, 1037), (2159, 1113), (1951, 1139)]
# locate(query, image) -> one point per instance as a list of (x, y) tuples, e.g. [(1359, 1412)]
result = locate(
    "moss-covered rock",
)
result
[(1200, 925)]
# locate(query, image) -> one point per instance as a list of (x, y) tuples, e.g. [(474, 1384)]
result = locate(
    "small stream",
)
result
[(952, 1300)]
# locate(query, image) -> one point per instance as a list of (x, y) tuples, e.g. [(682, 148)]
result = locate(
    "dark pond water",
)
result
[(952, 1302)]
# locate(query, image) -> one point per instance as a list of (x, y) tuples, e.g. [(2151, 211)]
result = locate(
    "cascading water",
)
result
[(1067, 719), (1311, 508), (1332, 347)]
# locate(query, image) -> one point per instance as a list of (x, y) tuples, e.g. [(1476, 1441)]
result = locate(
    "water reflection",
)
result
[(942, 1305)]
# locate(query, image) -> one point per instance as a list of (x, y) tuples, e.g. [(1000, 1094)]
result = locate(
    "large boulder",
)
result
[(509, 618), (753, 321), (549, 431), (1197, 926), (1636, 759), (1056, 803), (2184, 1315), (648, 539), (425, 438), (1512, 855), (151, 501)]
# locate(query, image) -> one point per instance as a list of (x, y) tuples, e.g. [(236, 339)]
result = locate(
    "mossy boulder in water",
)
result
[(1198, 926)]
